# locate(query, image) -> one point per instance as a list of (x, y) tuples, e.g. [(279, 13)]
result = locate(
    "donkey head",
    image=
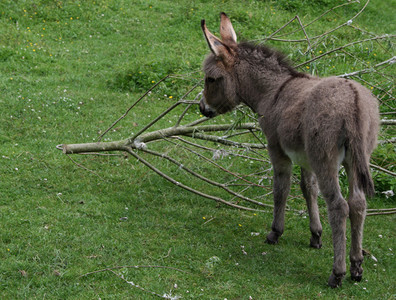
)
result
[(220, 94)]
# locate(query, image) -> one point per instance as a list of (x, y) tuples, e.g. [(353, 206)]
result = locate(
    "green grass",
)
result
[(68, 69)]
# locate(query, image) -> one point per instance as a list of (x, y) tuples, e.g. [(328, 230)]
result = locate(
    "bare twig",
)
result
[(322, 15), (368, 70), (321, 35), (207, 180), (383, 170), (381, 213), (388, 122), (179, 184), (345, 46), (132, 106)]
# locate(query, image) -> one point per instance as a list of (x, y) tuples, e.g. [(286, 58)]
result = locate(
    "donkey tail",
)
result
[(362, 137), (358, 164), (363, 177)]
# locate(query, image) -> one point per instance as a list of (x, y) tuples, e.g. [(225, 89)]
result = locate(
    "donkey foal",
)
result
[(318, 123)]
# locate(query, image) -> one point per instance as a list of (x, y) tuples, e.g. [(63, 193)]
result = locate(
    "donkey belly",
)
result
[(300, 158)]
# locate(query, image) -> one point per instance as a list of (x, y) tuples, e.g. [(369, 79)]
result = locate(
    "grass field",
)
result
[(68, 69)]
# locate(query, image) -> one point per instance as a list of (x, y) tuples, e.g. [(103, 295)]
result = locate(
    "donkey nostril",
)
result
[(209, 113), (206, 110)]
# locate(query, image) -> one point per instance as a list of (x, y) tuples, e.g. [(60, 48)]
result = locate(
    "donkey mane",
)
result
[(247, 50)]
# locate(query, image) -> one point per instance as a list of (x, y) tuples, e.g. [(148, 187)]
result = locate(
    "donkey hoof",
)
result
[(356, 271), (272, 238), (335, 280), (357, 277), (316, 242)]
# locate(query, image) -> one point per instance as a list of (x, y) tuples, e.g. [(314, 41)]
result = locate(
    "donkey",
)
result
[(317, 123)]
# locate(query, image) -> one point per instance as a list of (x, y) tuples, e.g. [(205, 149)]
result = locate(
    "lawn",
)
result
[(69, 69)]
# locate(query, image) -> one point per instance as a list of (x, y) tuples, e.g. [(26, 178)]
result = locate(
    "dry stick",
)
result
[(193, 131), (280, 29), (345, 46), (175, 182), (221, 140), (381, 209), (385, 64), (222, 168), (214, 150), (378, 88), (152, 136), (132, 106), (387, 93), (368, 70), (379, 44), (323, 34), (205, 179), (306, 36), (381, 213), (196, 122), (388, 122), (383, 170), (322, 15), (131, 139), (237, 176), (387, 141), (228, 136), (188, 107)]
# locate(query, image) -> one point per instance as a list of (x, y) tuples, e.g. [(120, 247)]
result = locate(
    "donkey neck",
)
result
[(262, 91), (262, 73)]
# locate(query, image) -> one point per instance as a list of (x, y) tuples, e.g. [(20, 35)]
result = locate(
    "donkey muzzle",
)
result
[(205, 109)]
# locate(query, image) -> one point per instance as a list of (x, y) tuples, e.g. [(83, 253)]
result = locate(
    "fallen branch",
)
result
[(207, 180), (179, 184), (236, 136), (140, 141)]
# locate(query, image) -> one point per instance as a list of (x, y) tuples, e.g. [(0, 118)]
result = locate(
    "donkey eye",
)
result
[(210, 79)]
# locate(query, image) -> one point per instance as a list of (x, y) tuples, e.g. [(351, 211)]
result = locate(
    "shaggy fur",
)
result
[(318, 123)]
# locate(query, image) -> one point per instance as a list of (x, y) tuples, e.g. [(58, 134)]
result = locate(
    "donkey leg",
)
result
[(282, 174), (357, 214), (338, 211), (309, 189)]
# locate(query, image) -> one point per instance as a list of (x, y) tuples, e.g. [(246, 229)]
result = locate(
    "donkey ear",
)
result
[(227, 32), (219, 48)]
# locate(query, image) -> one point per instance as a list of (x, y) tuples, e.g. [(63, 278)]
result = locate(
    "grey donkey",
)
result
[(317, 123)]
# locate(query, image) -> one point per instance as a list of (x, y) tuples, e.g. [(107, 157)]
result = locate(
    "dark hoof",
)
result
[(356, 270), (272, 238), (357, 278), (335, 280), (316, 242)]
